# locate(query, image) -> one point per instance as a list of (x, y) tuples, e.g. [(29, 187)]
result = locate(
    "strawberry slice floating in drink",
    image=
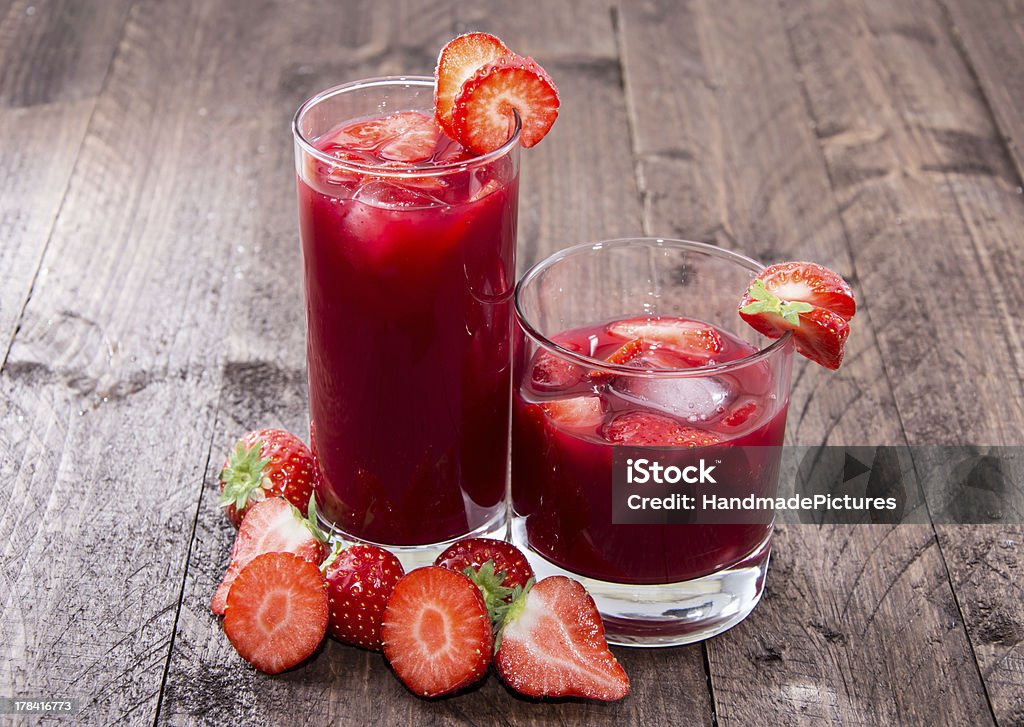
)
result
[(691, 342), (808, 299), (647, 429), (580, 412)]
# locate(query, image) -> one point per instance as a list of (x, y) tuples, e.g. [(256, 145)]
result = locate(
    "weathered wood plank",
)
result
[(53, 59), (991, 33), (918, 165), (728, 153), (265, 373), (111, 383)]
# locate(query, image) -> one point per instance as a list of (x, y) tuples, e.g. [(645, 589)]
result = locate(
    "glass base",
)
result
[(417, 556), (667, 614)]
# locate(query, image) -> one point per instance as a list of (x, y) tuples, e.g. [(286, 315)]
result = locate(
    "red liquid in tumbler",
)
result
[(408, 289), (562, 466)]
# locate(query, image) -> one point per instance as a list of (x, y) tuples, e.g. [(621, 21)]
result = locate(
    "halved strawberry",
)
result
[(578, 412), (271, 526), (277, 611), (360, 579), (497, 568), (552, 644), (807, 299), (404, 136), (436, 632), (265, 463), (482, 116), (647, 429), (459, 60), (695, 342)]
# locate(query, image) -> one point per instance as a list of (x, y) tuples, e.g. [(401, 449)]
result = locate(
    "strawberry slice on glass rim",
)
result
[(807, 299)]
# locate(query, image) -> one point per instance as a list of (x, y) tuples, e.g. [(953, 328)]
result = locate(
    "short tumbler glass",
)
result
[(683, 577)]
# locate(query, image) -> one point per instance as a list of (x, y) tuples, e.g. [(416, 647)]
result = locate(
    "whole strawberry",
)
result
[(552, 644), (264, 463), (360, 579), (496, 567)]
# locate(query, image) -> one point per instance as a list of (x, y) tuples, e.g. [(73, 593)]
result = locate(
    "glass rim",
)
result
[(309, 147), (621, 369)]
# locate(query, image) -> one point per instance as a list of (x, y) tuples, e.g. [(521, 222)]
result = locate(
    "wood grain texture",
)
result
[(152, 311), (727, 152), (918, 165), (111, 382), (991, 36), (53, 60), (263, 381)]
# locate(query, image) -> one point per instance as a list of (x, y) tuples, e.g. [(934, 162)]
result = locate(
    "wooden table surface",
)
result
[(151, 310)]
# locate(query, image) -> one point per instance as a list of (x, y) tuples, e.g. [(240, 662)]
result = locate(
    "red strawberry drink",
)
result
[(409, 248), (632, 349)]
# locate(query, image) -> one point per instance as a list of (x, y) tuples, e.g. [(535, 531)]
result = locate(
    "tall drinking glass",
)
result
[(629, 353), (409, 273)]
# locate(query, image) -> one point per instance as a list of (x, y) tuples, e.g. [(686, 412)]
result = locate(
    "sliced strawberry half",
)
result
[(436, 632), (647, 429), (277, 611), (272, 525), (579, 412), (552, 644), (483, 115), (628, 352), (810, 283), (404, 136), (459, 60), (811, 301), (697, 343)]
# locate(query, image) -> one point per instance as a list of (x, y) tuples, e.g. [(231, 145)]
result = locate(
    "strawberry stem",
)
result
[(765, 301), (243, 476)]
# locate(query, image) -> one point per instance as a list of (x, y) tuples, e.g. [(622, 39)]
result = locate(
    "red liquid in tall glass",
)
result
[(563, 418), (408, 288)]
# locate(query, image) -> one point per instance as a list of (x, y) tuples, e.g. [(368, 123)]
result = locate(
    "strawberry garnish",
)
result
[(404, 136), (277, 611), (810, 283), (579, 412), (695, 343), (483, 115), (459, 60), (436, 632), (271, 526), (360, 579), (495, 566), (552, 644), (627, 353), (265, 463), (647, 429), (811, 301)]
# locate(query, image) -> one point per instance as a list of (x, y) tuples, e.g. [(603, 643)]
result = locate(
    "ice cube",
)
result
[(692, 399), (393, 195)]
